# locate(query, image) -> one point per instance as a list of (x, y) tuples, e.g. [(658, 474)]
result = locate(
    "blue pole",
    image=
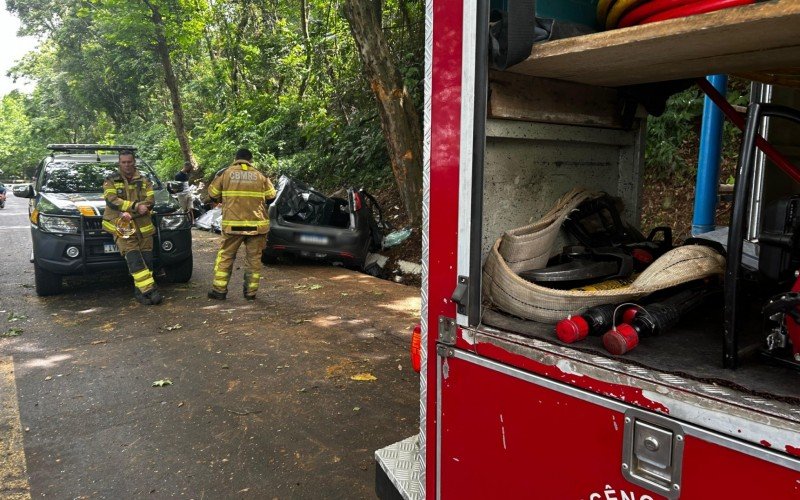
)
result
[(705, 196)]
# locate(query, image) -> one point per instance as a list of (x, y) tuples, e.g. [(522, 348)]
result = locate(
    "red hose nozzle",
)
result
[(621, 339), (629, 314), (572, 329)]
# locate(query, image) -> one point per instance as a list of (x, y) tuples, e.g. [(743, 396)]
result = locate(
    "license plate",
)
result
[(314, 239), (110, 248)]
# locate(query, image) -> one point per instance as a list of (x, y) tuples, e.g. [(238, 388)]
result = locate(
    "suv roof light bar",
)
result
[(89, 147)]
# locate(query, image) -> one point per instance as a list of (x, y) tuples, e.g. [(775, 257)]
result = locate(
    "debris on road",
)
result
[(176, 326), (409, 267), (12, 317), (243, 413), (363, 377), (396, 237), (12, 332), (162, 383)]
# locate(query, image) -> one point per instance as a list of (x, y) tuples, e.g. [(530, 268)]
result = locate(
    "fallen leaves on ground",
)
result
[(12, 317), (364, 377), (162, 383), (12, 332)]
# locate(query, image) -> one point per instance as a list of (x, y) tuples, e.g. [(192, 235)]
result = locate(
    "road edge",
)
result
[(13, 474)]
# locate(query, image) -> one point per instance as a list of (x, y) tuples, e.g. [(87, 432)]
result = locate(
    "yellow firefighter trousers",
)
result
[(138, 254), (254, 245)]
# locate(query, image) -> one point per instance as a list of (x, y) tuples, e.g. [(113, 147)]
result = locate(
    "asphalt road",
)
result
[(265, 400)]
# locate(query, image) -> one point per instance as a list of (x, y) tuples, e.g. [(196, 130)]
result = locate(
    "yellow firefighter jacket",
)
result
[(122, 195), (244, 191)]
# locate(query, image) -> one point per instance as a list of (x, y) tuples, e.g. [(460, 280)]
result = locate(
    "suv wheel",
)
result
[(47, 283), (180, 272), (268, 259)]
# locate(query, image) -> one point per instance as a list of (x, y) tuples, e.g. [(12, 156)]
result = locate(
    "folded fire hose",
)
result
[(531, 246)]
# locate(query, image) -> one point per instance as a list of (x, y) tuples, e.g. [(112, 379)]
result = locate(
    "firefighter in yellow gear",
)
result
[(129, 198), (244, 193)]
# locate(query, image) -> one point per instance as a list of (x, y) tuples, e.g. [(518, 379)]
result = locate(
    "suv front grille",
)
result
[(93, 226)]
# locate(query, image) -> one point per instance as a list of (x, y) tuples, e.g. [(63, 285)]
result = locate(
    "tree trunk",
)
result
[(399, 119), (162, 50), (307, 48)]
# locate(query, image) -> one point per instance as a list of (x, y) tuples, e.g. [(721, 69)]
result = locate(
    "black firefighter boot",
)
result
[(150, 298), (154, 296), (213, 294)]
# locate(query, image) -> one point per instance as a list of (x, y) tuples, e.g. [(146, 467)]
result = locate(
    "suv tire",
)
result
[(180, 272), (47, 283), (268, 260)]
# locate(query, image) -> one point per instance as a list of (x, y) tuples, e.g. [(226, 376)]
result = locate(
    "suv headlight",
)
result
[(55, 224), (174, 222)]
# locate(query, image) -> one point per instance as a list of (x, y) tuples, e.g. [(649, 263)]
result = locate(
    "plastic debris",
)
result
[(396, 237)]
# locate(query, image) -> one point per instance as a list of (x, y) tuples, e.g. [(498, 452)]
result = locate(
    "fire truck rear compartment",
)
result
[(529, 164)]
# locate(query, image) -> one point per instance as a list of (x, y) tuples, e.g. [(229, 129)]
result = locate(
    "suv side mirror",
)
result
[(25, 191)]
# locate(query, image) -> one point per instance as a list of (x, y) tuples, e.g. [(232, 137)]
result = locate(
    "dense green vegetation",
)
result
[(673, 138), (282, 78)]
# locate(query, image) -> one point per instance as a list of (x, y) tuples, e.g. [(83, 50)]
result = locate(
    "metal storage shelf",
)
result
[(759, 38)]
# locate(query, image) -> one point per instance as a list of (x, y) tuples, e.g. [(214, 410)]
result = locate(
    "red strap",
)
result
[(773, 154), (700, 7), (648, 9)]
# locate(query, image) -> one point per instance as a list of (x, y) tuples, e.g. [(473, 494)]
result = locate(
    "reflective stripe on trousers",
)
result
[(254, 245), (137, 250)]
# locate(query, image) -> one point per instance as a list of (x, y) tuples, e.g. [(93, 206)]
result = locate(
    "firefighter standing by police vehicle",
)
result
[(244, 192), (129, 199)]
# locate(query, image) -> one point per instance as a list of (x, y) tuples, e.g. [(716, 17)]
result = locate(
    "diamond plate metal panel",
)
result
[(401, 463), (426, 203)]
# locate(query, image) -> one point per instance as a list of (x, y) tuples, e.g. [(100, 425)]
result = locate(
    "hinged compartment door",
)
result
[(506, 433)]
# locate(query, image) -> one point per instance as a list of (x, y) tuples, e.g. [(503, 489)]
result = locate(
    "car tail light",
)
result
[(356, 202), (416, 348)]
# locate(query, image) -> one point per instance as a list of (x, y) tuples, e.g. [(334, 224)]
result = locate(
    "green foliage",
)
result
[(672, 138), (16, 146), (248, 74)]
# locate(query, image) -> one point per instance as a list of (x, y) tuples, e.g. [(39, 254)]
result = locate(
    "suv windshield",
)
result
[(72, 177)]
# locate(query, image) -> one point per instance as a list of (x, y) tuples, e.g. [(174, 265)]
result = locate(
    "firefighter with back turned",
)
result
[(244, 193)]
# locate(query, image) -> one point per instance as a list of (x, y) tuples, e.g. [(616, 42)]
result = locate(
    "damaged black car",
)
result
[(341, 229)]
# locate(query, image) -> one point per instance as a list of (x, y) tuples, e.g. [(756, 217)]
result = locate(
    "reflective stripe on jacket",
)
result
[(122, 195), (244, 191)]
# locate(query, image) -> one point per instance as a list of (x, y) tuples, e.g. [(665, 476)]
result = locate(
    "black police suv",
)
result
[(66, 209)]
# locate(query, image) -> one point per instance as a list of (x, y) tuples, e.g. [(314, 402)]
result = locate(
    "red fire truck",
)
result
[(508, 411)]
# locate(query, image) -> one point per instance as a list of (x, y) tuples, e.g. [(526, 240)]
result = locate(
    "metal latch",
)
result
[(461, 295), (444, 351), (447, 330), (652, 452)]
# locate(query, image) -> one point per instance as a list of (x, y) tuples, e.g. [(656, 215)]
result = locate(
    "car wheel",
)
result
[(180, 272), (269, 259), (47, 283)]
